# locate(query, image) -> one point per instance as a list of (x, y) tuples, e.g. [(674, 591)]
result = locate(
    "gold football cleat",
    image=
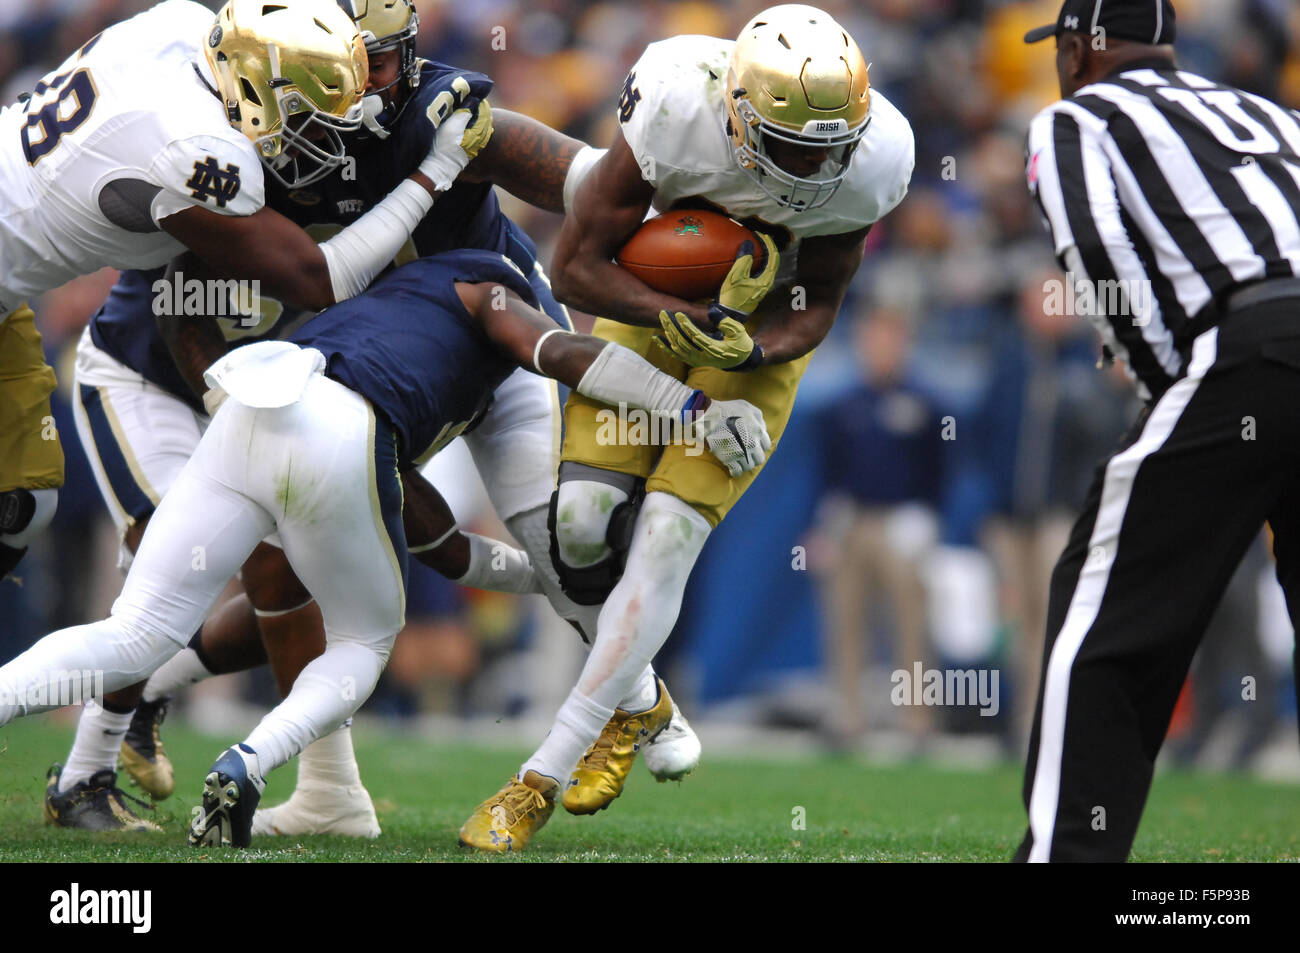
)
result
[(143, 754), (603, 769), (505, 822)]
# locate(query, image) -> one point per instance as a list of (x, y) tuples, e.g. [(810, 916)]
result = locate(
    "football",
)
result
[(686, 252)]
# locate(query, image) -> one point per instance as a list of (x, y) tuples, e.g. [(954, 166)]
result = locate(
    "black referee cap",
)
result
[(1145, 21)]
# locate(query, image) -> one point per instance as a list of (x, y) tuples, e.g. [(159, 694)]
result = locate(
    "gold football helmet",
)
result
[(797, 79), (291, 74), (387, 25)]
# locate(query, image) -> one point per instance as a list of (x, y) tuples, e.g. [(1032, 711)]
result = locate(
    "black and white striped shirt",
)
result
[(1164, 190)]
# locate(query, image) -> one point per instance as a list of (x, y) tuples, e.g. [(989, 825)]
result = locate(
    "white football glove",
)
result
[(457, 141), (736, 433)]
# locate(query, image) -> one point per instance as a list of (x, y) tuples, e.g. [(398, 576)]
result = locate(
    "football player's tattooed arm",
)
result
[(609, 207), (527, 158), (195, 341), (827, 263)]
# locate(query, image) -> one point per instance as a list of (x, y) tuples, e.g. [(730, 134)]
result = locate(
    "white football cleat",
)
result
[(674, 752), (317, 808)]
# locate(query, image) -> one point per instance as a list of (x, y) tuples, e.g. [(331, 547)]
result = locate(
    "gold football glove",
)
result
[(729, 345), (729, 348), (478, 131), (742, 292)]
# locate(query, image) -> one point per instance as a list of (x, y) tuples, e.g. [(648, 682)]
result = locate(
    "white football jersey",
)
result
[(122, 135), (674, 119)]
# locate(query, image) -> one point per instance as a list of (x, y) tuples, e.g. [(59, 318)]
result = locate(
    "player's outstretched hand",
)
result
[(736, 433), (459, 139)]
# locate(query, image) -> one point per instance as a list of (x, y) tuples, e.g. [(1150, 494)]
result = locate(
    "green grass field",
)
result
[(732, 809)]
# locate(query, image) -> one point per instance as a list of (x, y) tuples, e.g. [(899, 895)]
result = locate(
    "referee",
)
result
[(1174, 205)]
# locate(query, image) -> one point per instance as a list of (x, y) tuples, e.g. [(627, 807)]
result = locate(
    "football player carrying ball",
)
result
[(778, 129)]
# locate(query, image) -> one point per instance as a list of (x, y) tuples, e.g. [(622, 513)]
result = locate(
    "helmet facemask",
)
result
[(309, 144), (796, 78), (785, 188), (291, 78)]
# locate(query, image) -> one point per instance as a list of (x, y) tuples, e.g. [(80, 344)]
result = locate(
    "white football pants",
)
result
[(317, 471)]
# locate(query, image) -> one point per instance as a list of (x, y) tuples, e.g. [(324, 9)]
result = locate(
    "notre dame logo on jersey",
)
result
[(210, 181), (627, 102)]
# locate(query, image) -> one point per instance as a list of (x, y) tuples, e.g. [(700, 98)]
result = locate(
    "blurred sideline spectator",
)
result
[(880, 446)]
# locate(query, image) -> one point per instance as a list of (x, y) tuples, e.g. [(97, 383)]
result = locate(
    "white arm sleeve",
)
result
[(618, 376), (363, 249), (582, 163), (498, 568)]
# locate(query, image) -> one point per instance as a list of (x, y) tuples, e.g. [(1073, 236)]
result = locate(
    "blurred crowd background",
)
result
[(943, 439)]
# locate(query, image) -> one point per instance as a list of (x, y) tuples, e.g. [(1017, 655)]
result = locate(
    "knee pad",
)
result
[(17, 507), (591, 585), (23, 514)]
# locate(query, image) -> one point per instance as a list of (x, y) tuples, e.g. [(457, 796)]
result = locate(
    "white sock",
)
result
[(331, 760), (326, 693), (180, 671), (578, 724), (644, 695), (99, 737)]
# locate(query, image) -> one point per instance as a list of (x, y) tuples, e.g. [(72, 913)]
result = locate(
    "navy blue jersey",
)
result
[(466, 216), (409, 347)]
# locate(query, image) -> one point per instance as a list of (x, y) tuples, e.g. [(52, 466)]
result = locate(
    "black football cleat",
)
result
[(94, 805), (231, 791)]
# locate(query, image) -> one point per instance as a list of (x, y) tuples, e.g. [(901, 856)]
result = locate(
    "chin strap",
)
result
[(372, 107)]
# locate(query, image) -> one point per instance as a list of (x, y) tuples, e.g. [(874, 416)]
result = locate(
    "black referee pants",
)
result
[(1168, 518)]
